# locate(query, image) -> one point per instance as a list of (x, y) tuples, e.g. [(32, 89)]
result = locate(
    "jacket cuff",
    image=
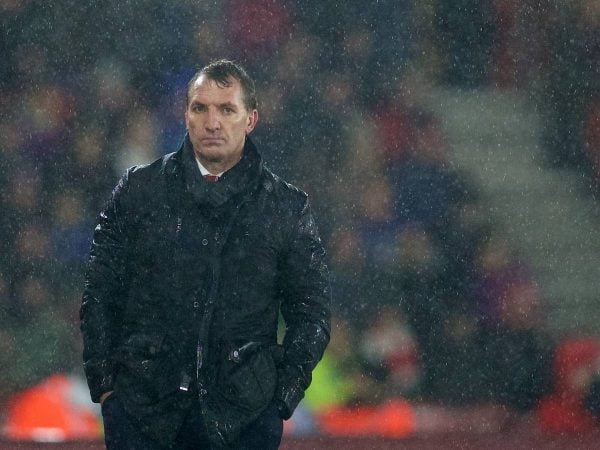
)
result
[(287, 398), (97, 389)]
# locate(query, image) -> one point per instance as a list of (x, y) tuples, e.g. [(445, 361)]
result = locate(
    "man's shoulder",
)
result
[(284, 189), (146, 176), (155, 168), (141, 181)]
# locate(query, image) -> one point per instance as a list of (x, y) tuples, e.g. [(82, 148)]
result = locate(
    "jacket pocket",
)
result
[(143, 344), (249, 384), (144, 368)]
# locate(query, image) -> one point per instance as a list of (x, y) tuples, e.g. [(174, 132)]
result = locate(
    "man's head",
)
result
[(223, 71), (220, 112)]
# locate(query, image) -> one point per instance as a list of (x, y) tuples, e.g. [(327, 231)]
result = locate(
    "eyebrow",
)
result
[(229, 105), (221, 105)]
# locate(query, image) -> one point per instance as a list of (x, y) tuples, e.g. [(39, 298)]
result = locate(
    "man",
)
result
[(186, 279)]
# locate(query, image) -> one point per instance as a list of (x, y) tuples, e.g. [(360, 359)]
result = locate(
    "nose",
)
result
[(212, 120)]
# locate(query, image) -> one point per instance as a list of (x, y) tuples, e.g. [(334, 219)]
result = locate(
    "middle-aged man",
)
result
[(193, 259)]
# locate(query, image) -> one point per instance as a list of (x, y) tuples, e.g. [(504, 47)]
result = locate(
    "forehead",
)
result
[(206, 90)]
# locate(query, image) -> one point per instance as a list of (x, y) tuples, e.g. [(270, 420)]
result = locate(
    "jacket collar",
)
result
[(241, 178)]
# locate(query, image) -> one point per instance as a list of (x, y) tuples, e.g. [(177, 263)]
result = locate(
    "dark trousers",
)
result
[(122, 432)]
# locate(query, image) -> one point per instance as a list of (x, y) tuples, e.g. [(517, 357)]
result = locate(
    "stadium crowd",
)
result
[(431, 303)]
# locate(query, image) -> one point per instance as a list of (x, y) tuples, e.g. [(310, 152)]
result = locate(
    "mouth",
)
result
[(212, 141)]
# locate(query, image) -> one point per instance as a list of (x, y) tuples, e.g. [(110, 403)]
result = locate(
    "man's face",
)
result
[(217, 122)]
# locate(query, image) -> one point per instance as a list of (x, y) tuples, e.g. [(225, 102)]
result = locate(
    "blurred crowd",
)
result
[(430, 300), (571, 92)]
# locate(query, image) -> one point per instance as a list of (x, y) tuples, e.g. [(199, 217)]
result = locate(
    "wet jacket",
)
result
[(185, 283)]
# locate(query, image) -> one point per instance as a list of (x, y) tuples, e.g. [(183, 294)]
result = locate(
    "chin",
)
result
[(214, 159), (211, 154)]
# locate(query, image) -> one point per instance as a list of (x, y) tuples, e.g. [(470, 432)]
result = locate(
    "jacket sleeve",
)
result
[(104, 292), (305, 309)]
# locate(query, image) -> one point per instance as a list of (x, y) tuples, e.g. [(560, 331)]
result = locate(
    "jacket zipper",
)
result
[(210, 301)]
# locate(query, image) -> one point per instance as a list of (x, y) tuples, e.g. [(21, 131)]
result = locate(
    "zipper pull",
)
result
[(179, 222), (185, 382)]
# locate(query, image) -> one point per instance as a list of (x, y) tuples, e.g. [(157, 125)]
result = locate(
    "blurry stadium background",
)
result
[(452, 151)]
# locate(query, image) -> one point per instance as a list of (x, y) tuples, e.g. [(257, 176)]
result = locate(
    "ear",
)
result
[(186, 119), (252, 121)]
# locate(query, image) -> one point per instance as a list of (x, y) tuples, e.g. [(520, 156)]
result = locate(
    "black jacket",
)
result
[(183, 291)]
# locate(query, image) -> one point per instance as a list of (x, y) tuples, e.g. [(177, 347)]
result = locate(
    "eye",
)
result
[(228, 110)]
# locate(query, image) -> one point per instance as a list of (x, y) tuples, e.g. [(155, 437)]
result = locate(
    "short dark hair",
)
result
[(222, 71)]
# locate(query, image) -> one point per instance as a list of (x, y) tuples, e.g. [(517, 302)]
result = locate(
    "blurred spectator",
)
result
[(171, 104), (466, 230), (425, 187), (395, 130), (515, 356), (571, 80), (592, 138), (516, 366), (390, 354), (339, 381), (378, 227), (563, 410), (498, 272), (86, 168), (467, 30), (47, 115), (256, 28), (348, 263), (70, 239), (139, 141), (592, 397), (519, 42), (421, 287)]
